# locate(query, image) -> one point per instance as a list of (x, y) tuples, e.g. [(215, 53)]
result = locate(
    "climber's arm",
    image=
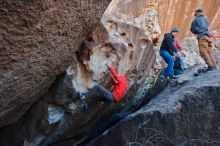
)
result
[(113, 72), (193, 27), (113, 81)]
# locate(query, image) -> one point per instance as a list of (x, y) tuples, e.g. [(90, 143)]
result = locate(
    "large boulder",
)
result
[(57, 118), (185, 113), (38, 42), (126, 39)]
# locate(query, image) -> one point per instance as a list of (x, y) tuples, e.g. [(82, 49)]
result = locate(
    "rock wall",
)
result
[(171, 123), (180, 13), (185, 113), (38, 42), (125, 40), (58, 118)]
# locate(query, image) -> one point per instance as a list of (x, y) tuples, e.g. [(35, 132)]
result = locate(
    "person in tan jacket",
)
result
[(199, 27)]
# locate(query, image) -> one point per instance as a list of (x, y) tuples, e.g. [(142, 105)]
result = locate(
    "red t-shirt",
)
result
[(120, 86)]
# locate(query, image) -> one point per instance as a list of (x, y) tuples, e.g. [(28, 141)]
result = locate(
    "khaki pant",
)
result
[(205, 48)]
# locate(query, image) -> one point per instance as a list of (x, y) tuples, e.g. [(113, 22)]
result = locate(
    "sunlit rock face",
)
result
[(180, 13), (125, 40)]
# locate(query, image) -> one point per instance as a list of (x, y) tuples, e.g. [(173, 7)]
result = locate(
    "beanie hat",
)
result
[(175, 29), (199, 10)]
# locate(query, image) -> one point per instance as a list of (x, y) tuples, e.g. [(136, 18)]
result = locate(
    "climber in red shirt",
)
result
[(120, 87)]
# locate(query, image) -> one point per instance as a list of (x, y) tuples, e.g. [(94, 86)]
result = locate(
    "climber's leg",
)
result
[(169, 60), (91, 91), (205, 51), (105, 94), (211, 56), (95, 101)]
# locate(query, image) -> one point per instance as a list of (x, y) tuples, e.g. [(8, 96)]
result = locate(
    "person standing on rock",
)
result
[(168, 52), (199, 27), (120, 86)]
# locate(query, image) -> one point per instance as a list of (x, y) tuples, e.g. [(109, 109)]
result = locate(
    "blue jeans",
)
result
[(103, 94), (170, 61)]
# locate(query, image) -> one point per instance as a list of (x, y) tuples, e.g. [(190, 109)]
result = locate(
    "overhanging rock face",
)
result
[(59, 118), (38, 42)]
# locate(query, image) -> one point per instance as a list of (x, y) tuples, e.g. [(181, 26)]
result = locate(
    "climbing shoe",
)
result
[(162, 78), (210, 68), (173, 77), (81, 96), (201, 70)]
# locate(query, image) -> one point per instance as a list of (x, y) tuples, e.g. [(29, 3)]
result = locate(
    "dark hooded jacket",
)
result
[(167, 44)]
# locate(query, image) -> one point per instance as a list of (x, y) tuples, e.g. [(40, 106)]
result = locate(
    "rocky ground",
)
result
[(185, 113)]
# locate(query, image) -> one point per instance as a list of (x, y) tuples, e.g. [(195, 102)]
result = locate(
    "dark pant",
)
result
[(103, 94)]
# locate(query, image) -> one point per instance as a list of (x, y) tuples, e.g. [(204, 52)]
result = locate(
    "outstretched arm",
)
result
[(113, 80), (113, 72)]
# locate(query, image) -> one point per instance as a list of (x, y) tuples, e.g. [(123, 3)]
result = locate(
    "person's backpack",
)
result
[(178, 66)]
